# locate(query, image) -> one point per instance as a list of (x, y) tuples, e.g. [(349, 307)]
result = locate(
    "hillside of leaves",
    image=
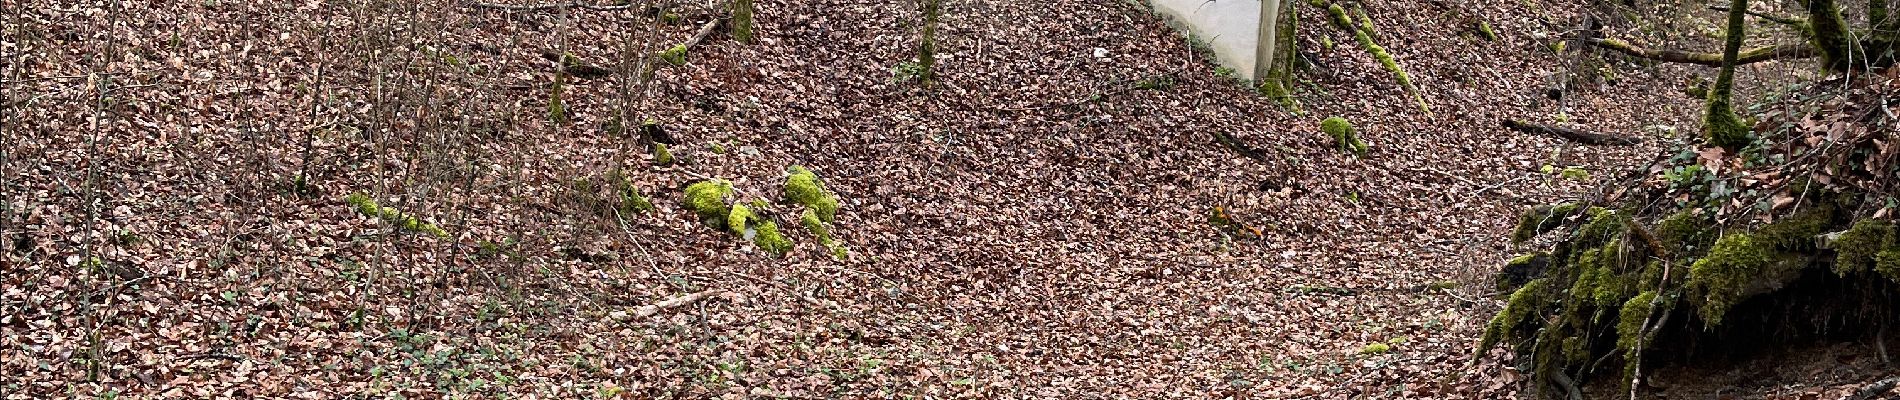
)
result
[(214, 199)]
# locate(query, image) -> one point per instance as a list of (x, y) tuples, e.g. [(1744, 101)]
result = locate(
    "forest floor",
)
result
[(1031, 226)]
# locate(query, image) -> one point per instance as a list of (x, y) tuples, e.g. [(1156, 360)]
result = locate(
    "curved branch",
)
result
[(1750, 56)]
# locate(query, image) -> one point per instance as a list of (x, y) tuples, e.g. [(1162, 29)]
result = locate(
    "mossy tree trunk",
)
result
[(1277, 79), (927, 43), (742, 20), (1877, 14), (1723, 127), (1829, 33)]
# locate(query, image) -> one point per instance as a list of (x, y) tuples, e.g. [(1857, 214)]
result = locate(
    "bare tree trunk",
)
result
[(1720, 123)]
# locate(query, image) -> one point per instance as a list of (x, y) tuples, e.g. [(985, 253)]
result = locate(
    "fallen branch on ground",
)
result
[(1874, 390), (1572, 134), (1238, 147), (549, 6), (648, 310), (1750, 56)]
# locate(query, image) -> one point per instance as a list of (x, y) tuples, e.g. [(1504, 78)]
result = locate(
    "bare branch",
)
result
[(1572, 134), (1771, 17), (550, 6)]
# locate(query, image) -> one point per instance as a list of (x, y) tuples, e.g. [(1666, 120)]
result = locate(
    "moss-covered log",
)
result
[(1750, 56)]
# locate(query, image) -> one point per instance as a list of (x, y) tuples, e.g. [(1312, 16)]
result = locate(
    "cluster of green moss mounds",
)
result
[(367, 206), (821, 207), (709, 199), (1612, 284)]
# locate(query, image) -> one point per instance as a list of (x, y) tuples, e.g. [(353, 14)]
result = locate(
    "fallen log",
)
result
[(1572, 134), (1750, 56)]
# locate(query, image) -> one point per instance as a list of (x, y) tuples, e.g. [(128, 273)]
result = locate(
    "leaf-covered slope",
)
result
[(1027, 227)]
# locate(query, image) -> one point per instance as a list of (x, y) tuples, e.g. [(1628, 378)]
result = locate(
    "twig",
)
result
[(1771, 17), (1494, 186), (655, 265), (210, 355), (655, 308), (549, 6), (1748, 56)]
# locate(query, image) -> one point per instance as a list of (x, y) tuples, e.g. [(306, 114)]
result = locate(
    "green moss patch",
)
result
[(662, 155), (1508, 323), (708, 199), (1542, 219), (366, 206), (1343, 135), (803, 187), (675, 55)]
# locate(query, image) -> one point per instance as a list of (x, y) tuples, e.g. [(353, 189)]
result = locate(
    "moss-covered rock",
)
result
[(1525, 302), (1521, 270), (738, 217), (708, 199), (803, 187), (366, 206), (631, 200), (1856, 247), (675, 55), (1343, 135), (662, 155), (1724, 275), (1542, 219), (1634, 313), (767, 236)]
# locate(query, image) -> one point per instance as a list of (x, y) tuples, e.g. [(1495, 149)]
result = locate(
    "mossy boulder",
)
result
[(767, 237), (708, 199), (803, 187), (1613, 283), (662, 155), (675, 55), (1343, 135), (1542, 219)]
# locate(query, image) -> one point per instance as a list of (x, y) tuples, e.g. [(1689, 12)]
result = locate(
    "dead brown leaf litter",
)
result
[(1000, 246)]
